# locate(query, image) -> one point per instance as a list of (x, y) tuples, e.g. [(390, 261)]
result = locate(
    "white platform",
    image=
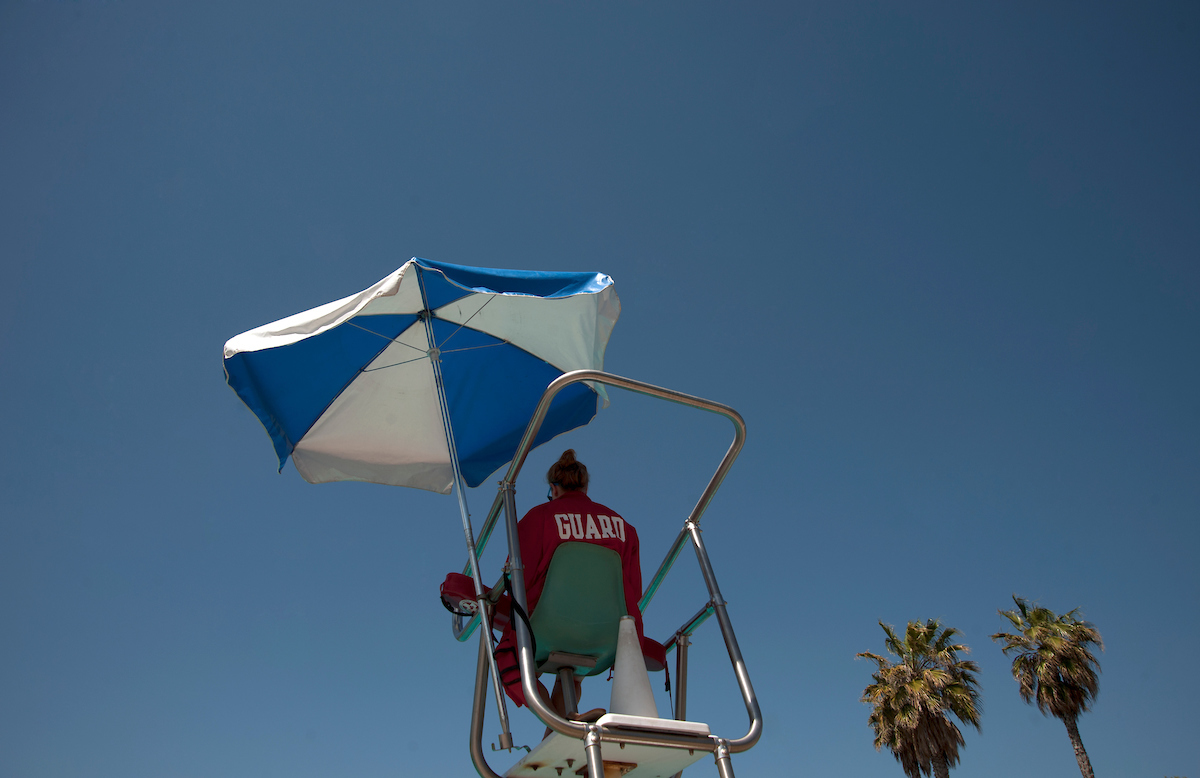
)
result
[(562, 755)]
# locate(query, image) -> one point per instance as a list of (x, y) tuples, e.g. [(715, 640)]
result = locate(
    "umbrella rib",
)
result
[(472, 348), (385, 337), (424, 353), (468, 321), (502, 343), (394, 364)]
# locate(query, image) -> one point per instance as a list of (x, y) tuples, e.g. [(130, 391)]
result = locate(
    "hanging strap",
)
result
[(520, 612)]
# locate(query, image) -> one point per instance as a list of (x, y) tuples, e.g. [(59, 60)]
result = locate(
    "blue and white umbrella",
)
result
[(436, 360)]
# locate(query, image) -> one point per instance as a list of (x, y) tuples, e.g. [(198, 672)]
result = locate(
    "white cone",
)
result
[(631, 694)]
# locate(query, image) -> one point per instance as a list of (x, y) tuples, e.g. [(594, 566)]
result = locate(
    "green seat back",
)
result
[(581, 605)]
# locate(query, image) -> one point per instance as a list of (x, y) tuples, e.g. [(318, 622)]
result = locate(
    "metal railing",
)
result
[(506, 502)]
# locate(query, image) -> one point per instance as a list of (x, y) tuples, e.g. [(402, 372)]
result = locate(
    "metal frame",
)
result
[(591, 734)]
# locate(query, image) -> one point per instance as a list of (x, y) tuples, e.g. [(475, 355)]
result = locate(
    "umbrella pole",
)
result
[(506, 741)]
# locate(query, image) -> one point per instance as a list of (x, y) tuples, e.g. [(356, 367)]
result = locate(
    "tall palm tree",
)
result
[(912, 697), (1054, 666)]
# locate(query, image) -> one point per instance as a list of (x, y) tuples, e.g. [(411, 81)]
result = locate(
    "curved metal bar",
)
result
[(461, 631), (638, 387), (691, 527)]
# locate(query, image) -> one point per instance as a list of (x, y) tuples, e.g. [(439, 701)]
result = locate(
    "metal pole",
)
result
[(477, 711), (566, 682), (591, 745), (435, 359), (681, 668), (731, 645), (682, 641), (724, 765), (462, 630)]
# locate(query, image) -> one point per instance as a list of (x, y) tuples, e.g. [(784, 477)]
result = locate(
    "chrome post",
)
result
[(591, 745), (724, 765), (566, 682), (731, 645), (681, 667), (682, 641), (477, 711)]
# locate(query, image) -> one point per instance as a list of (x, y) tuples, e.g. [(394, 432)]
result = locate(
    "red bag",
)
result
[(458, 595)]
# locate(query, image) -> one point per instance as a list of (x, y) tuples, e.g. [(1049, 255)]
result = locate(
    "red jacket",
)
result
[(573, 517)]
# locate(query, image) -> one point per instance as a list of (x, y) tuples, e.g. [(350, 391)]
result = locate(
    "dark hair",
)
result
[(568, 472)]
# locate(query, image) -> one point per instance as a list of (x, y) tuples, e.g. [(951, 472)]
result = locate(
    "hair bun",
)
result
[(568, 472)]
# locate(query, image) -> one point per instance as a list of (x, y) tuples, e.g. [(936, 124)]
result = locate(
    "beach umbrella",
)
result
[(433, 366)]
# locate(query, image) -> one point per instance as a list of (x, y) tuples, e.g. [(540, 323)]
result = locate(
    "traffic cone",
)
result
[(631, 694)]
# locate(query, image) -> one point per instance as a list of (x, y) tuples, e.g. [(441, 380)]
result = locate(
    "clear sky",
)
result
[(942, 257)]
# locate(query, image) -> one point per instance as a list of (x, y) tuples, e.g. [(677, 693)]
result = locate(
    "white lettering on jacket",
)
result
[(571, 525)]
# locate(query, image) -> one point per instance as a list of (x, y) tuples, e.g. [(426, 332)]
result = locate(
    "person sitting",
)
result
[(568, 516)]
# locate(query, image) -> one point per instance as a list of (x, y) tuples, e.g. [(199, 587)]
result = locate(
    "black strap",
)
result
[(520, 612)]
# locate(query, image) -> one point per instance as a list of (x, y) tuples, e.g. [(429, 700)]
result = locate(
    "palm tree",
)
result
[(1054, 666), (912, 698)]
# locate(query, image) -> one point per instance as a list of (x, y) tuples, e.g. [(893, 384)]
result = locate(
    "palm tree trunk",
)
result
[(1085, 764), (940, 768)]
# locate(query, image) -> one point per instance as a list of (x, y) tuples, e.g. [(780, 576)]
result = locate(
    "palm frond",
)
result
[(913, 695), (1053, 664)]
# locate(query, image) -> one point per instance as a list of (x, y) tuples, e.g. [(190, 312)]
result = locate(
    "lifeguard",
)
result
[(568, 516)]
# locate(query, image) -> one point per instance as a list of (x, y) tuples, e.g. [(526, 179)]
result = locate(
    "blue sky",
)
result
[(943, 259)]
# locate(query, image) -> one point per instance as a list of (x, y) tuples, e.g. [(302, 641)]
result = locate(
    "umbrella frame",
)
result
[(592, 734)]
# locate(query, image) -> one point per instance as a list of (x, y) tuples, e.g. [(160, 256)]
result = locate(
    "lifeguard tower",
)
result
[(575, 636)]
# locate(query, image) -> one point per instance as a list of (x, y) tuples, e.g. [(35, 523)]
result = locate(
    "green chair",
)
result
[(578, 615)]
